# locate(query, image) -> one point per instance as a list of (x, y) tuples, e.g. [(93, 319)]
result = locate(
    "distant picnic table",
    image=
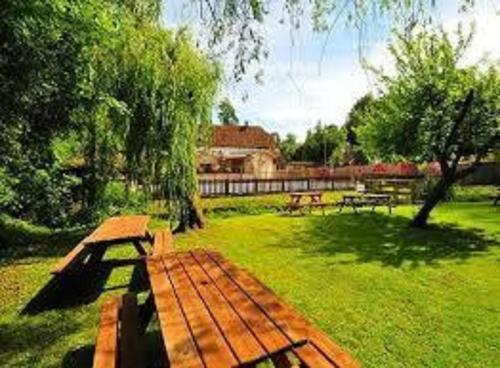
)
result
[(115, 230), (356, 201), (296, 203)]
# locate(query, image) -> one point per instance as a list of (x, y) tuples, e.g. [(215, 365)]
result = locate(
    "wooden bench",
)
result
[(118, 343), (163, 242)]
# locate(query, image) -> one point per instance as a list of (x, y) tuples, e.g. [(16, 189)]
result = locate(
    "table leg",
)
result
[(146, 313), (96, 255), (140, 249)]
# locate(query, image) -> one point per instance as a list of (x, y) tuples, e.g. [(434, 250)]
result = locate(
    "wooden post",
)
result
[(226, 187)]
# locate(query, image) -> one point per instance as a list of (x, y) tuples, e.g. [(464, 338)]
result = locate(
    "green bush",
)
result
[(116, 200)]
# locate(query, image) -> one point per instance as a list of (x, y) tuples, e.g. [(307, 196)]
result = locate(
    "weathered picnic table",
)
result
[(297, 204), (214, 314), (115, 230), (365, 200)]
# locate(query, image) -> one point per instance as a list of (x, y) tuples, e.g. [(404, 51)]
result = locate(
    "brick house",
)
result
[(246, 149)]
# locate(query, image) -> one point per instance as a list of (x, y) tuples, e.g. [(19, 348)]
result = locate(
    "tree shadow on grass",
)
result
[(32, 337), (17, 244), (387, 239), (85, 286)]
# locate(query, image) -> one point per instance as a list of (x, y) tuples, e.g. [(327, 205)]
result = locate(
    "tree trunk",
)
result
[(191, 217), (438, 194)]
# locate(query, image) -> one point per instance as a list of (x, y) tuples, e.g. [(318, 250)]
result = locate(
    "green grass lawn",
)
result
[(391, 295)]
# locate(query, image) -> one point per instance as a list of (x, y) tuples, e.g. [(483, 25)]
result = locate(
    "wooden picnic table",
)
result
[(296, 201), (369, 200), (122, 229), (115, 230), (214, 314)]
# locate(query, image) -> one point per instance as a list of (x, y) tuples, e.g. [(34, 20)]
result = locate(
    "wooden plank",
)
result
[(293, 324), (241, 340), (75, 255), (106, 351), (310, 356), (163, 242), (120, 227), (270, 338), (214, 349), (179, 344), (131, 354)]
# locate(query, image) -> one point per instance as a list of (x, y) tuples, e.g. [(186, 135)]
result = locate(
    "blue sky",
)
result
[(301, 87)]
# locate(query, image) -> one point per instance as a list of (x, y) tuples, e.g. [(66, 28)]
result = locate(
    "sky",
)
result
[(309, 78)]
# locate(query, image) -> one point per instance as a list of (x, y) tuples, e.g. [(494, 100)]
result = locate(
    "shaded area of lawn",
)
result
[(378, 237)]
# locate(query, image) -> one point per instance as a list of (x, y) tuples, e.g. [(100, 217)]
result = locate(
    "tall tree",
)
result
[(227, 113), (435, 109), (320, 143), (289, 146), (355, 117), (107, 72)]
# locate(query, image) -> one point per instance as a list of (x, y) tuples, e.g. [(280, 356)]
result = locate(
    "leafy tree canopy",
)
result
[(289, 146), (434, 108), (227, 113), (320, 143), (105, 74)]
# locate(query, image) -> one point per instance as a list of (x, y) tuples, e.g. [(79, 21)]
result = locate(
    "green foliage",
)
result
[(289, 146), (100, 90), (117, 199), (227, 113), (355, 118), (420, 115), (320, 143), (434, 109)]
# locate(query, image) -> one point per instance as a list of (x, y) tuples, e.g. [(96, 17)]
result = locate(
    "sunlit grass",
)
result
[(391, 295)]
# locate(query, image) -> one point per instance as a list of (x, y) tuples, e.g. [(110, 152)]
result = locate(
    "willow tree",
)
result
[(108, 75), (435, 108), (169, 88)]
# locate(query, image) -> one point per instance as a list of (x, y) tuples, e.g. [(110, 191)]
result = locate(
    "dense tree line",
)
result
[(101, 83)]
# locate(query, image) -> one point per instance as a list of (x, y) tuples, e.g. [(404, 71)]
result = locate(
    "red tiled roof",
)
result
[(242, 137)]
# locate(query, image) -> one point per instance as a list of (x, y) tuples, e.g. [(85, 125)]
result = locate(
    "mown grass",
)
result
[(391, 295)]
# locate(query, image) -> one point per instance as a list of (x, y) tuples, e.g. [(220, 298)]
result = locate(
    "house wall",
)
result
[(261, 165)]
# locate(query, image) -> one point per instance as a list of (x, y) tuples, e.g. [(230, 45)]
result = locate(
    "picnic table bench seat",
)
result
[(163, 242), (118, 341)]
